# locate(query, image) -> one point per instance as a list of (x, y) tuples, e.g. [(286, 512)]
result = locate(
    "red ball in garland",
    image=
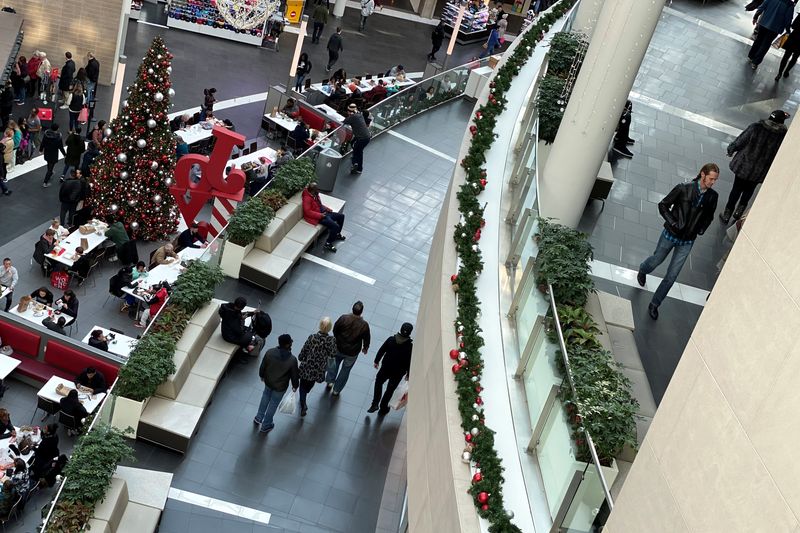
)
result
[(483, 497), (484, 181), (477, 477), (454, 354), (473, 129), (468, 437), (485, 507), (456, 368), (479, 400)]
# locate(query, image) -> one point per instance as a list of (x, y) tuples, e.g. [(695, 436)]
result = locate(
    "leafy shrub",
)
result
[(149, 364), (564, 48), (249, 221), (195, 286), (565, 52), (273, 199), (563, 261), (293, 176)]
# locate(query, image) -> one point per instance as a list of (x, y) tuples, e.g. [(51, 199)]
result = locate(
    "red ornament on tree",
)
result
[(456, 368), (473, 129), (454, 354), (477, 236), (477, 477), (483, 497), (484, 181)]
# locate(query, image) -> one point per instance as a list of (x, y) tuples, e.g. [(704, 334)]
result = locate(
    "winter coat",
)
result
[(755, 148), (66, 76), (683, 216), (352, 333), (313, 209), (44, 68), (367, 6), (437, 35), (42, 248), (232, 325), (396, 355), (278, 368), (93, 70), (52, 143), (88, 158), (76, 104), (792, 44), (33, 67), (70, 191), (776, 15), (75, 149), (314, 356), (8, 149), (335, 43)]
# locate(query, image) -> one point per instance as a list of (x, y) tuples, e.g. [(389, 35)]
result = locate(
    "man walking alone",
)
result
[(334, 47), (352, 336), (687, 210), (320, 17), (361, 137), (278, 368), (396, 355)]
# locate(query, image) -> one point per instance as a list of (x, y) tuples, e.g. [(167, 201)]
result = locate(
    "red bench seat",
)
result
[(72, 362), (30, 367), (313, 120)]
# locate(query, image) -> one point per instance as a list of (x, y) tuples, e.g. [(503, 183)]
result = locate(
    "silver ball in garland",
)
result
[(171, 92), (168, 182), (114, 208), (150, 71), (169, 70), (158, 56), (124, 174), (158, 97), (132, 202), (122, 157), (157, 198), (153, 166), (141, 143), (134, 225), (151, 123), (107, 132), (124, 103)]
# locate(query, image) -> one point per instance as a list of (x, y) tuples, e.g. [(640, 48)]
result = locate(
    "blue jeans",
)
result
[(679, 256), (298, 84), (21, 94), (73, 120), (340, 380), (334, 222), (266, 409), (91, 87)]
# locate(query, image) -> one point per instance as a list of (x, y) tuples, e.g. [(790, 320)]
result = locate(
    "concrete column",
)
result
[(586, 16), (620, 40), (338, 8)]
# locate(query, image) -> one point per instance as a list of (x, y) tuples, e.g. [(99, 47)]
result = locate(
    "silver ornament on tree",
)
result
[(107, 132), (132, 202), (168, 182), (169, 70), (113, 208), (141, 143), (124, 174), (151, 123), (157, 198), (158, 97), (122, 157), (153, 166), (134, 225), (124, 103), (171, 92), (150, 71)]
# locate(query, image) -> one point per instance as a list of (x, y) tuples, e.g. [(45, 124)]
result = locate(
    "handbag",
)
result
[(288, 404), (400, 396), (780, 40), (83, 116), (485, 46), (59, 280)]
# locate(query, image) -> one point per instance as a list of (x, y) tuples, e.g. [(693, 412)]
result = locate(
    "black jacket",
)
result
[(42, 248), (755, 148), (52, 325), (72, 307), (437, 35), (232, 324), (278, 368), (352, 333), (70, 191), (335, 43), (75, 149), (88, 158), (76, 104), (100, 345), (74, 408), (121, 279), (93, 70), (67, 73), (187, 239), (52, 143), (98, 383), (396, 355), (683, 218)]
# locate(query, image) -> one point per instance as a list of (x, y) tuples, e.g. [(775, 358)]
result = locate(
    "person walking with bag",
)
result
[(791, 49), (277, 370), (753, 152), (396, 355), (352, 336), (367, 7), (303, 70), (315, 357), (687, 210), (773, 17)]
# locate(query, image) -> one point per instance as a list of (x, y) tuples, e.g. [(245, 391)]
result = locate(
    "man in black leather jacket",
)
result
[(687, 210)]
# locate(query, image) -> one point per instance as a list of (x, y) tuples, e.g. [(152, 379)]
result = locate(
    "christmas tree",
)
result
[(132, 174)]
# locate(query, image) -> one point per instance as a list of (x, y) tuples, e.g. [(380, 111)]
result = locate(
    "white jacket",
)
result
[(367, 6)]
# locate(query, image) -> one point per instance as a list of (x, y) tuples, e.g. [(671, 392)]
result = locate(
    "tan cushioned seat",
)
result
[(211, 364), (216, 342), (297, 198), (206, 314), (171, 416), (272, 235), (192, 340), (113, 505), (270, 264), (304, 233), (197, 390), (289, 249), (172, 387), (138, 518), (291, 213), (334, 203), (99, 526)]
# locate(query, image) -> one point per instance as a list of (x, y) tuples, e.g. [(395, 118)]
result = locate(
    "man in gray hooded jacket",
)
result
[(753, 152), (396, 355)]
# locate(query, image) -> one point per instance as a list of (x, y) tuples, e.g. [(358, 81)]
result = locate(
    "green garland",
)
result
[(565, 52), (486, 488)]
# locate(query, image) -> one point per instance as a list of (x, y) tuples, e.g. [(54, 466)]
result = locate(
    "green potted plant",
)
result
[(272, 198), (247, 223), (195, 286), (293, 176)]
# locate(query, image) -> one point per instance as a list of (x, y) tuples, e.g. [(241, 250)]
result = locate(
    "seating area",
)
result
[(133, 503), (171, 417), (270, 261)]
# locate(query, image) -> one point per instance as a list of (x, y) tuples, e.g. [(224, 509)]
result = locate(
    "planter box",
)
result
[(232, 257), (126, 414)]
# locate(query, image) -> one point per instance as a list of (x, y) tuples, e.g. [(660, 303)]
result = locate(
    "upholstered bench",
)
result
[(133, 503)]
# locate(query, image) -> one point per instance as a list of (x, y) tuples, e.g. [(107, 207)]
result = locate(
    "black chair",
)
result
[(70, 422), (48, 406), (12, 513), (117, 331), (253, 146)]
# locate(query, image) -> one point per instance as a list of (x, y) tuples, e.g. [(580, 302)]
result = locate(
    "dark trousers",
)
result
[(382, 377), (623, 131), (73, 120), (742, 191), (358, 153), (434, 49), (761, 44), (334, 222), (67, 213), (49, 173), (333, 57), (305, 387), (317, 33), (8, 300), (787, 61), (363, 23)]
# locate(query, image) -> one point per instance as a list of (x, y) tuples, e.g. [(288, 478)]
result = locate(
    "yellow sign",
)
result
[(294, 10)]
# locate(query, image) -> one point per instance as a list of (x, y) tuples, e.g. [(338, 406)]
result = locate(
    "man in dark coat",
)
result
[(753, 152), (69, 195), (437, 36), (233, 328), (352, 336), (687, 211), (52, 143), (93, 74), (278, 370), (66, 77), (396, 355)]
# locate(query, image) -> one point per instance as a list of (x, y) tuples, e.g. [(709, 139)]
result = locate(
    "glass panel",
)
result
[(556, 457), (588, 510)]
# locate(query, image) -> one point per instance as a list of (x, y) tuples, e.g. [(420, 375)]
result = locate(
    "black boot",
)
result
[(725, 216), (739, 212)]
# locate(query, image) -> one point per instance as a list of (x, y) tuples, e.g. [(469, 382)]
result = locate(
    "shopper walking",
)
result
[(72, 160), (367, 7), (65, 79), (334, 47), (69, 195), (35, 128), (320, 18), (52, 143), (75, 106), (791, 50), (687, 211), (395, 353), (352, 336), (773, 17), (622, 138), (303, 70), (502, 26), (315, 357), (753, 152), (437, 37), (277, 370), (92, 74), (491, 43), (361, 137)]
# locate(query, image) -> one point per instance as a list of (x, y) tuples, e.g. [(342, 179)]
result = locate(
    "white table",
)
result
[(6, 458), (7, 365), (188, 254), (253, 157), (196, 132), (330, 112), (64, 251), (366, 85), (48, 392), (31, 315), (282, 121), (168, 272), (121, 345)]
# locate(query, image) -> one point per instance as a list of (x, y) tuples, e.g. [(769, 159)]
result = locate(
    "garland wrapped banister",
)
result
[(487, 482)]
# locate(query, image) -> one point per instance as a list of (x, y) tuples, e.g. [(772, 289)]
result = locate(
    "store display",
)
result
[(202, 16), (474, 23)]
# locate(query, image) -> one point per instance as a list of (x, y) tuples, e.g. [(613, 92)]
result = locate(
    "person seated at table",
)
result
[(291, 108), (140, 271), (19, 475), (43, 296), (181, 148), (337, 96), (300, 134), (116, 233), (45, 245), (401, 77), (355, 84), (8, 497), (190, 237), (53, 470), (181, 122), (395, 71), (125, 279), (164, 255), (232, 315), (154, 298), (339, 76), (98, 340), (72, 406), (283, 155), (7, 429), (80, 266), (45, 451), (90, 380), (56, 326), (376, 94), (60, 231), (68, 304)]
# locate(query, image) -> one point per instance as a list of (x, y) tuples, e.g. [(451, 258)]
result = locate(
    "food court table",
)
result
[(282, 121), (7, 456), (48, 392), (64, 251), (253, 157), (168, 272), (7, 365), (198, 132), (365, 85), (121, 345), (37, 312), (330, 112)]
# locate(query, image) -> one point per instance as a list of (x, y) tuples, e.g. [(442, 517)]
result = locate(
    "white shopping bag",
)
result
[(400, 396), (288, 404)]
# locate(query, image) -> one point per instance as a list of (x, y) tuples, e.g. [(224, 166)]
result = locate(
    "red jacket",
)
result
[(33, 66), (313, 210), (161, 297)]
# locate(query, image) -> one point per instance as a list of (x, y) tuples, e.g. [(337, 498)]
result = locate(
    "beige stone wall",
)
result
[(722, 452), (55, 26)]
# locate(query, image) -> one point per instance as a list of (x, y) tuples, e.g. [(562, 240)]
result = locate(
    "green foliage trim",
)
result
[(468, 378), (293, 176), (563, 261), (249, 221), (149, 364), (551, 101), (195, 286)]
